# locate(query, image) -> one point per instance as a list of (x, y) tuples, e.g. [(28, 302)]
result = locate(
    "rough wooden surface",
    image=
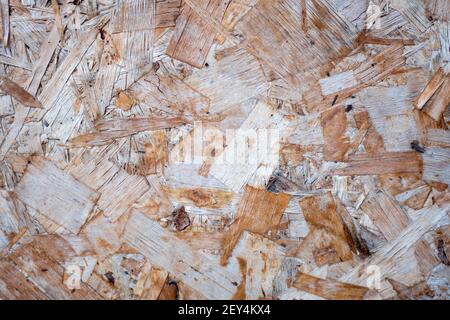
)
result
[(224, 149)]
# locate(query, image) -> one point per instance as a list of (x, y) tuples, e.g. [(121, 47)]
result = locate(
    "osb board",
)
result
[(224, 149)]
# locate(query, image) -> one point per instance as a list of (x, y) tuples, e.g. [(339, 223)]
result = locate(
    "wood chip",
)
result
[(329, 289), (382, 163), (386, 214), (259, 212), (17, 92), (62, 198), (193, 37), (329, 240)]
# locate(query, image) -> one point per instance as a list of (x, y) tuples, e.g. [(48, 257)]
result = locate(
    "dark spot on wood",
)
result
[(181, 219), (175, 284), (170, 291), (110, 277), (279, 184), (417, 147), (335, 100)]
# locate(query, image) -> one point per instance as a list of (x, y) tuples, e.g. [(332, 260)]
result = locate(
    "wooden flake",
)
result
[(239, 72), (16, 285), (61, 197), (150, 283), (287, 50), (436, 165), (329, 240), (202, 197), (266, 206), (259, 260), (115, 129), (32, 258), (167, 12), (329, 289), (13, 89), (334, 124), (386, 214), (166, 251), (122, 191), (438, 103), (193, 37), (382, 163), (58, 19), (53, 88), (133, 15), (102, 236), (235, 173), (5, 22), (435, 83), (426, 219), (134, 23), (438, 138)]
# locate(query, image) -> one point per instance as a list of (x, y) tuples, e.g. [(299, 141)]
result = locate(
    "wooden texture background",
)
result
[(103, 197)]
